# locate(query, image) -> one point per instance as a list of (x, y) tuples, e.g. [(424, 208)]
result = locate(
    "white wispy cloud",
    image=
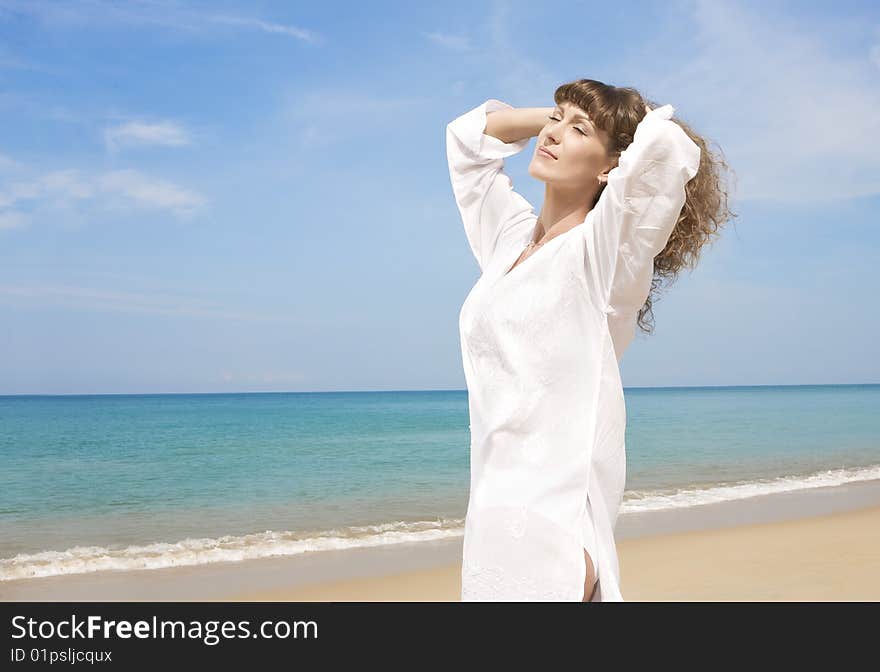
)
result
[(320, 116), (799, 116), (268, 27), (795, 115), (39, 105), (118, 191), (8, 164), (149, 192), (164, 14), (154, 303), (12, 220), (449, 41), (139, 133)]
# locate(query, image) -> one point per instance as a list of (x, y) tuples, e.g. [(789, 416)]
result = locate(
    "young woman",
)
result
[(631, 197)]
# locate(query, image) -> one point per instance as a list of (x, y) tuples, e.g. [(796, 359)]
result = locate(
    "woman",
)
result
[(631, 197)]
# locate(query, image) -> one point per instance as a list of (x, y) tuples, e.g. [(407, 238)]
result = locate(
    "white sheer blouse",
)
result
[(541, 347)]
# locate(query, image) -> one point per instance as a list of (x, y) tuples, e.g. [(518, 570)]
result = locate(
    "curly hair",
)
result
[(618, 111)]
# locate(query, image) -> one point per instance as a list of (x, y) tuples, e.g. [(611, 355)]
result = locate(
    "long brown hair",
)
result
[(618, 111)]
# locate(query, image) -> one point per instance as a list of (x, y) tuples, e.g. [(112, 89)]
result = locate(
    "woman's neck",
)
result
[(561, 211)]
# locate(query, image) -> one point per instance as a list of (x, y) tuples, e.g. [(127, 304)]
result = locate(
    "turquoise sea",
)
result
[(98, 482)]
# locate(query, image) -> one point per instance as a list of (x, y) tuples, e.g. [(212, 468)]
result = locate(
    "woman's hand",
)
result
[(647, 109), (517, 123)]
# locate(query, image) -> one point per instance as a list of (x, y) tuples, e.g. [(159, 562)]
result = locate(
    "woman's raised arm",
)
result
[(510, 124), (636, 213), (477, 143)]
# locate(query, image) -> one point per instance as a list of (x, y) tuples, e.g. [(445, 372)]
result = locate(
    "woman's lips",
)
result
[(545, 152)]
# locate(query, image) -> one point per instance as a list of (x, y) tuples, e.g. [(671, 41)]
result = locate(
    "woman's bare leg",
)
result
[(590, 578)]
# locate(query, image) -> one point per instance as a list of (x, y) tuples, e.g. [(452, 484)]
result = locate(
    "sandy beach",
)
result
[(834, 557), (818, 544)]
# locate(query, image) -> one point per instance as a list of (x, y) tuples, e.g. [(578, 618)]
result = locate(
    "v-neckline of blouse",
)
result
[(509, 268)]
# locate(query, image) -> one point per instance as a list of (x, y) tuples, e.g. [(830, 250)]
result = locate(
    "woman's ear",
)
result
[(603, 176)]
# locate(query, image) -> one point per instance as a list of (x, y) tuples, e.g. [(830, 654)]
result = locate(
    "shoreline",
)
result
[(831, 557), (777, 546)]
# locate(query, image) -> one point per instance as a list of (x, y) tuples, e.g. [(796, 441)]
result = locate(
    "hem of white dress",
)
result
[(593, 548)]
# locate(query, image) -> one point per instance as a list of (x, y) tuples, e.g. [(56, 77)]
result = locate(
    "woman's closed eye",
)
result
[(582, 132)]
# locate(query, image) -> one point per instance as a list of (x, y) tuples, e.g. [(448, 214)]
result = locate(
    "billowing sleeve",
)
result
[(635, 215), (483, 192)]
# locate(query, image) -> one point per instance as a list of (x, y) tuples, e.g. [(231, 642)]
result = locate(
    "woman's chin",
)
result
[(539, 174)]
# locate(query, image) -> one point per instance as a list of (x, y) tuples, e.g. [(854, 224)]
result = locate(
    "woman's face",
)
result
[(579, 147)]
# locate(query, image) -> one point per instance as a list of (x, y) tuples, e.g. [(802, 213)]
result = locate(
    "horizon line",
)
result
[(627, 387)]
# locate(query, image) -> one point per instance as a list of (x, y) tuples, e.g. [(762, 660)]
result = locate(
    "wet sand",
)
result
[(834, 557)]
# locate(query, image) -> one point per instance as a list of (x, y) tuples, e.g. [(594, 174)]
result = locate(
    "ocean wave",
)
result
[(188, 552), (84, 559), (656, 500)]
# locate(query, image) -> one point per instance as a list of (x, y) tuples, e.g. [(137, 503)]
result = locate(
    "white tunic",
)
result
[(541, 348)]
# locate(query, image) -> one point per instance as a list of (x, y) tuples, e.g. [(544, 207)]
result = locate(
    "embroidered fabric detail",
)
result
[(492, 583), (516, 522), (534, 448)]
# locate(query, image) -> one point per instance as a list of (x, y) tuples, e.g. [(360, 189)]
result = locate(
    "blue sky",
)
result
[(253, 196)]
